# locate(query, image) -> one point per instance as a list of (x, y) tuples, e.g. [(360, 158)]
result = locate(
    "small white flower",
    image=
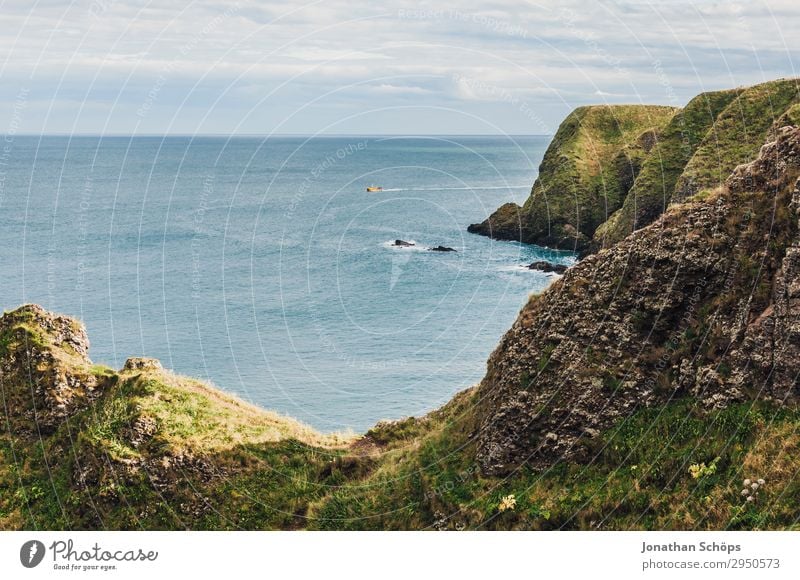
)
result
[(761, 482), (749, 498), (745, 492), (754, 485), (746, 482)]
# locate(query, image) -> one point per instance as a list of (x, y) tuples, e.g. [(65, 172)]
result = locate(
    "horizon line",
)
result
[(267, 135)]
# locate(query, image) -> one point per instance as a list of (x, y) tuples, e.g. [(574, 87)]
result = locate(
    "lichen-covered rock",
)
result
[(45, 371), (704, 303), (142, 364)]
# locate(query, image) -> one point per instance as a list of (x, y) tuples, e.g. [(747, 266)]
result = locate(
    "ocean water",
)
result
[(263, 266)]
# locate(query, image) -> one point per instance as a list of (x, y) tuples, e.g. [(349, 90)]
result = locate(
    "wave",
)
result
[(523, 268)]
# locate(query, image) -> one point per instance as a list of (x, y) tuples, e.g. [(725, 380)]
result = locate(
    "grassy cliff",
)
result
[(157, 451), (654, 186), (612, 170), (584, 176)]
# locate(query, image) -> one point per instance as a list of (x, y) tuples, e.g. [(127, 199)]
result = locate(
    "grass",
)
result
[(639, 478), (158, 451), (654, 186), (583, 176)]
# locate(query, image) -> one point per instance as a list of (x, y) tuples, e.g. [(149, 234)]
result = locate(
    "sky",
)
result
[(378, 67)]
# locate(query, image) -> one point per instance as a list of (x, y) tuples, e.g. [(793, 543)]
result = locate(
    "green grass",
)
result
[(584, 175), (639, 478), (654, 186), (210, 461), (737, 135)]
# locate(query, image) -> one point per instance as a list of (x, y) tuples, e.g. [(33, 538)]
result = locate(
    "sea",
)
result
[(262, 264)]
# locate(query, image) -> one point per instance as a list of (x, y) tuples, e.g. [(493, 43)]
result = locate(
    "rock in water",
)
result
[(403, 243), (544, 266), (442, 249)]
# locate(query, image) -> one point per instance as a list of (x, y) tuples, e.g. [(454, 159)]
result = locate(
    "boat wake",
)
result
[(478, 188)]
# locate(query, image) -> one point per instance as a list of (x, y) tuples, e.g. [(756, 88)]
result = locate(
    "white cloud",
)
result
[(549, 55)]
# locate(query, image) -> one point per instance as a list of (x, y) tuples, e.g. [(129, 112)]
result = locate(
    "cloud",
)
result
[(337, 57)]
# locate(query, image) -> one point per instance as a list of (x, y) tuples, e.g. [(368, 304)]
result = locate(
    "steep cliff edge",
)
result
[(611, 170), (701, 304), (584, 177)]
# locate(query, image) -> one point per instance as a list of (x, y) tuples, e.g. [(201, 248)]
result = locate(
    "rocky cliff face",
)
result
[(703, 303)]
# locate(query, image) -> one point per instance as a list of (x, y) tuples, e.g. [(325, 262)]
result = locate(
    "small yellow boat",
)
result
[(374, 188)]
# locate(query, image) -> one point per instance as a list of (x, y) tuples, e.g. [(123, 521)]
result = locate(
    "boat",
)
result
[(374, 188)]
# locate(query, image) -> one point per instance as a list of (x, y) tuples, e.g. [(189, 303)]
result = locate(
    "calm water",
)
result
[(263, 266)]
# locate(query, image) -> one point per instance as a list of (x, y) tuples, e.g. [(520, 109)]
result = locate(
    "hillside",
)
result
[(699, 148), (638, 391), (611, 170), (584, 177)]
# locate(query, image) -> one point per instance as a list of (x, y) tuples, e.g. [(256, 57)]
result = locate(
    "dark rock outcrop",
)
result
[(441, 249), (403, 243), (547, 267), (504, 224), (704, 303)]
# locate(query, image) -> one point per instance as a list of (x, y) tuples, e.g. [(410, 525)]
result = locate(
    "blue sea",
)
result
[(263, 266)]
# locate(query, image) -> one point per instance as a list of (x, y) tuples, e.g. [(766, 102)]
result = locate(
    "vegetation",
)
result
[(652, 191), (163, 452), (584, 176), (704, 303), (611, 170), (640, 477)]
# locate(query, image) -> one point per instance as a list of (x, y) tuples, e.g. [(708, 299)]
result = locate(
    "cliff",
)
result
[(612, 170), (699, 148), (584, 177)]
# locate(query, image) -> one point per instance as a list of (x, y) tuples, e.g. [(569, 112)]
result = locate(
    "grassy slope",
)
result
[(163, 452), (584, 176), (578, 184), (699, 148), (655, 183), (738, 133), (640, 478)]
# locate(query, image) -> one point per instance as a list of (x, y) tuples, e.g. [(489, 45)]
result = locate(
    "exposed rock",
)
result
[(544, 266), (403, 243), (442, 249), (704, 303), (142, 364), (504, 224), (45, 371)]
